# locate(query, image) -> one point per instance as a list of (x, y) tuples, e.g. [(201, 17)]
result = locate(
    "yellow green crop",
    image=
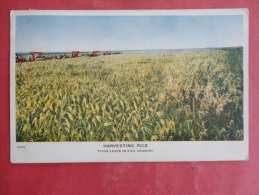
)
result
[(131, 97)]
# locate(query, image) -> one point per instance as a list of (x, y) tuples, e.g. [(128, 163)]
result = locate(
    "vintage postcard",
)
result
[(129, 86)]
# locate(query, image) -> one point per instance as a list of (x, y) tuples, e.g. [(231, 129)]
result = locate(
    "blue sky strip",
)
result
[(88, 33)]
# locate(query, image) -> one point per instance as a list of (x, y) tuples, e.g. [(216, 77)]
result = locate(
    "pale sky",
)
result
[(107, 33)]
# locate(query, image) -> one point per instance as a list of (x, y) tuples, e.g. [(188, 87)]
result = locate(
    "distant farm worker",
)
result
[(36, 56), (31, 57)]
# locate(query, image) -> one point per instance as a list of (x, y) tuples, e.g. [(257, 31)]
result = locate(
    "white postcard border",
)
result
[(55, 152)]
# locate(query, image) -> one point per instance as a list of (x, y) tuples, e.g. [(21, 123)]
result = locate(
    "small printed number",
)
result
[(20, 146)]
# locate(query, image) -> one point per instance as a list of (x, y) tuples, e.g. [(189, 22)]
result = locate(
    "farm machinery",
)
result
[(37, 56)]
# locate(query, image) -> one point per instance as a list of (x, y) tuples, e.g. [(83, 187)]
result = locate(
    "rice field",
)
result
[(186, 96)]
